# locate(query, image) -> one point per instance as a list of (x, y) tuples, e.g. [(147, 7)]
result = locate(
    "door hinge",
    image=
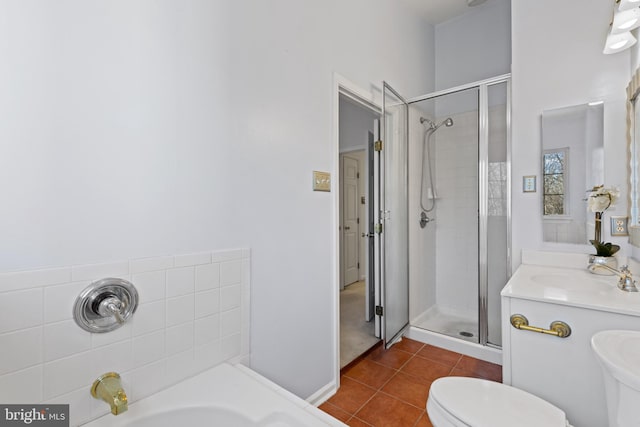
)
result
[(379, 310), (358, 266), (378, 228), (377, 146), (357, 220), (357, 174)]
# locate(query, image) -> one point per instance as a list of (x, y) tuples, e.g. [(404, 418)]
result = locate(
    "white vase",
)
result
[(609, 261)]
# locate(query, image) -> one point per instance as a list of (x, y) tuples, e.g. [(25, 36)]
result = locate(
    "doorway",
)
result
[(357, 123)]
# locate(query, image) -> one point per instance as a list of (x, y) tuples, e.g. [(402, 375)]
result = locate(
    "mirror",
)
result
[(633, 139), (572, 163)]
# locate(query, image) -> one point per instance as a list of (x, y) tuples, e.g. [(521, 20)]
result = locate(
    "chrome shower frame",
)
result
[(483, 190)]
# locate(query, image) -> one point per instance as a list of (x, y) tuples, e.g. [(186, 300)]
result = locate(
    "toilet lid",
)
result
[(482, 403)]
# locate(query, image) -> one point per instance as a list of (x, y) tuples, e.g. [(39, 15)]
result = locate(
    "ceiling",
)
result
[(438, 11)]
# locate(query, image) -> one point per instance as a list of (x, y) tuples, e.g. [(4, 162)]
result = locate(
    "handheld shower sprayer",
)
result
[(427, 164)]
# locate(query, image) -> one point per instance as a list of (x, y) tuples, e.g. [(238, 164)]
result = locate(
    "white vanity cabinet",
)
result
[(563, 371)]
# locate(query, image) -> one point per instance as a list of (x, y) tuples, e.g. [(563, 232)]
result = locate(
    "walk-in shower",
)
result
[(428, 203), (459, 233)]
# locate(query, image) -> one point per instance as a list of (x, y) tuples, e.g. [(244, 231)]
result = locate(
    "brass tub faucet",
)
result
[(108, 388)]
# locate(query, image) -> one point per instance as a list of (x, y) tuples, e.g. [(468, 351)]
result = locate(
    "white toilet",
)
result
[(618, 353), (472, 402)]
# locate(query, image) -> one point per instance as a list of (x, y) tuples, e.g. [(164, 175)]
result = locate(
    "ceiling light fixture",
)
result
[(625, 17), (618, 42), (628, 4), (625, 21)]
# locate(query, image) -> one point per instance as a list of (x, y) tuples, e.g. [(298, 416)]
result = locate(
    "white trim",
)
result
[(483, 352), (323, 394), (353, 149), (488, 82), (372, 101)]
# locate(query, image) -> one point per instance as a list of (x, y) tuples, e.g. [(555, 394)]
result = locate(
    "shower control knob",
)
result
[(112, 306), (105, 305)]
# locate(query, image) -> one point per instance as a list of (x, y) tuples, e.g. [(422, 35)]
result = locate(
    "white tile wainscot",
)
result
[(193, 314), (550, 287)]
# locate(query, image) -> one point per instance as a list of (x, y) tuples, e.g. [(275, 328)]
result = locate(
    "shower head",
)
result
[(429, 122), (448, 122)]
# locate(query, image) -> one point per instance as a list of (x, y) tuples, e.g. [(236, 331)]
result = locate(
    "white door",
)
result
[(369, 235), (350, 220)]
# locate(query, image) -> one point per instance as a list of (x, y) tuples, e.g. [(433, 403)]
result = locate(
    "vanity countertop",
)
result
[(575, 287)]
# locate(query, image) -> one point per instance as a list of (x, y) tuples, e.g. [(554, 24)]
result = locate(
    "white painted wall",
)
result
[(284, 57), (561, 66), (474, 46), (113, 118), (355, 124), (158, 127)]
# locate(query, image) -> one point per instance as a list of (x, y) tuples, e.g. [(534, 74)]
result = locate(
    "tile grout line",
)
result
[(455, 365), (379, 390)]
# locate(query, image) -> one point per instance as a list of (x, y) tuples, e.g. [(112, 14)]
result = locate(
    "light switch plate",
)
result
[(321, 181), (619, 226)]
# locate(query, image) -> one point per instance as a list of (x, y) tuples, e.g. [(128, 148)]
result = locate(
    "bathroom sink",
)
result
[(619, 351), (572, 283)]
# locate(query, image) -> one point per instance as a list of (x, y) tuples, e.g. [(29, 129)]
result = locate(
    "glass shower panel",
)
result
[(498, 206)]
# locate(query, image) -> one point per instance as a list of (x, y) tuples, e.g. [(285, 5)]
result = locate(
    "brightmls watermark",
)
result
[(34, 415)]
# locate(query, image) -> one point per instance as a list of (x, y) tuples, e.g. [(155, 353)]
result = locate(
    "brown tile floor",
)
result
[(389, 388)]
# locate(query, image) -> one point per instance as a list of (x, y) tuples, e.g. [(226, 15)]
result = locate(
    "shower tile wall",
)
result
[(456, 180), (457, 222), (193, 314), (422, 248)]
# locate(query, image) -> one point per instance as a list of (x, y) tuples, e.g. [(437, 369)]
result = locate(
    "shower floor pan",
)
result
[(448, 322)]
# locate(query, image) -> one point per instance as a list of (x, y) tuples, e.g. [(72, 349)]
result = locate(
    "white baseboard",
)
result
[(322, 395)]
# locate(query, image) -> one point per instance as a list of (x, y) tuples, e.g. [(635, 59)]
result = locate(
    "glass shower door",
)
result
[(447, 145), (461, 139), (393, 231)]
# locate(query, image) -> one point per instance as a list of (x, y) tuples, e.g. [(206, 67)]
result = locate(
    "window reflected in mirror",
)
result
[(554, 181)]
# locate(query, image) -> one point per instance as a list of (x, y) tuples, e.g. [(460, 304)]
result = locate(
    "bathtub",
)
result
[(226, 395)]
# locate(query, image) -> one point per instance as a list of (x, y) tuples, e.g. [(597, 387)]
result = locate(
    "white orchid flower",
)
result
[(602, 198)]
